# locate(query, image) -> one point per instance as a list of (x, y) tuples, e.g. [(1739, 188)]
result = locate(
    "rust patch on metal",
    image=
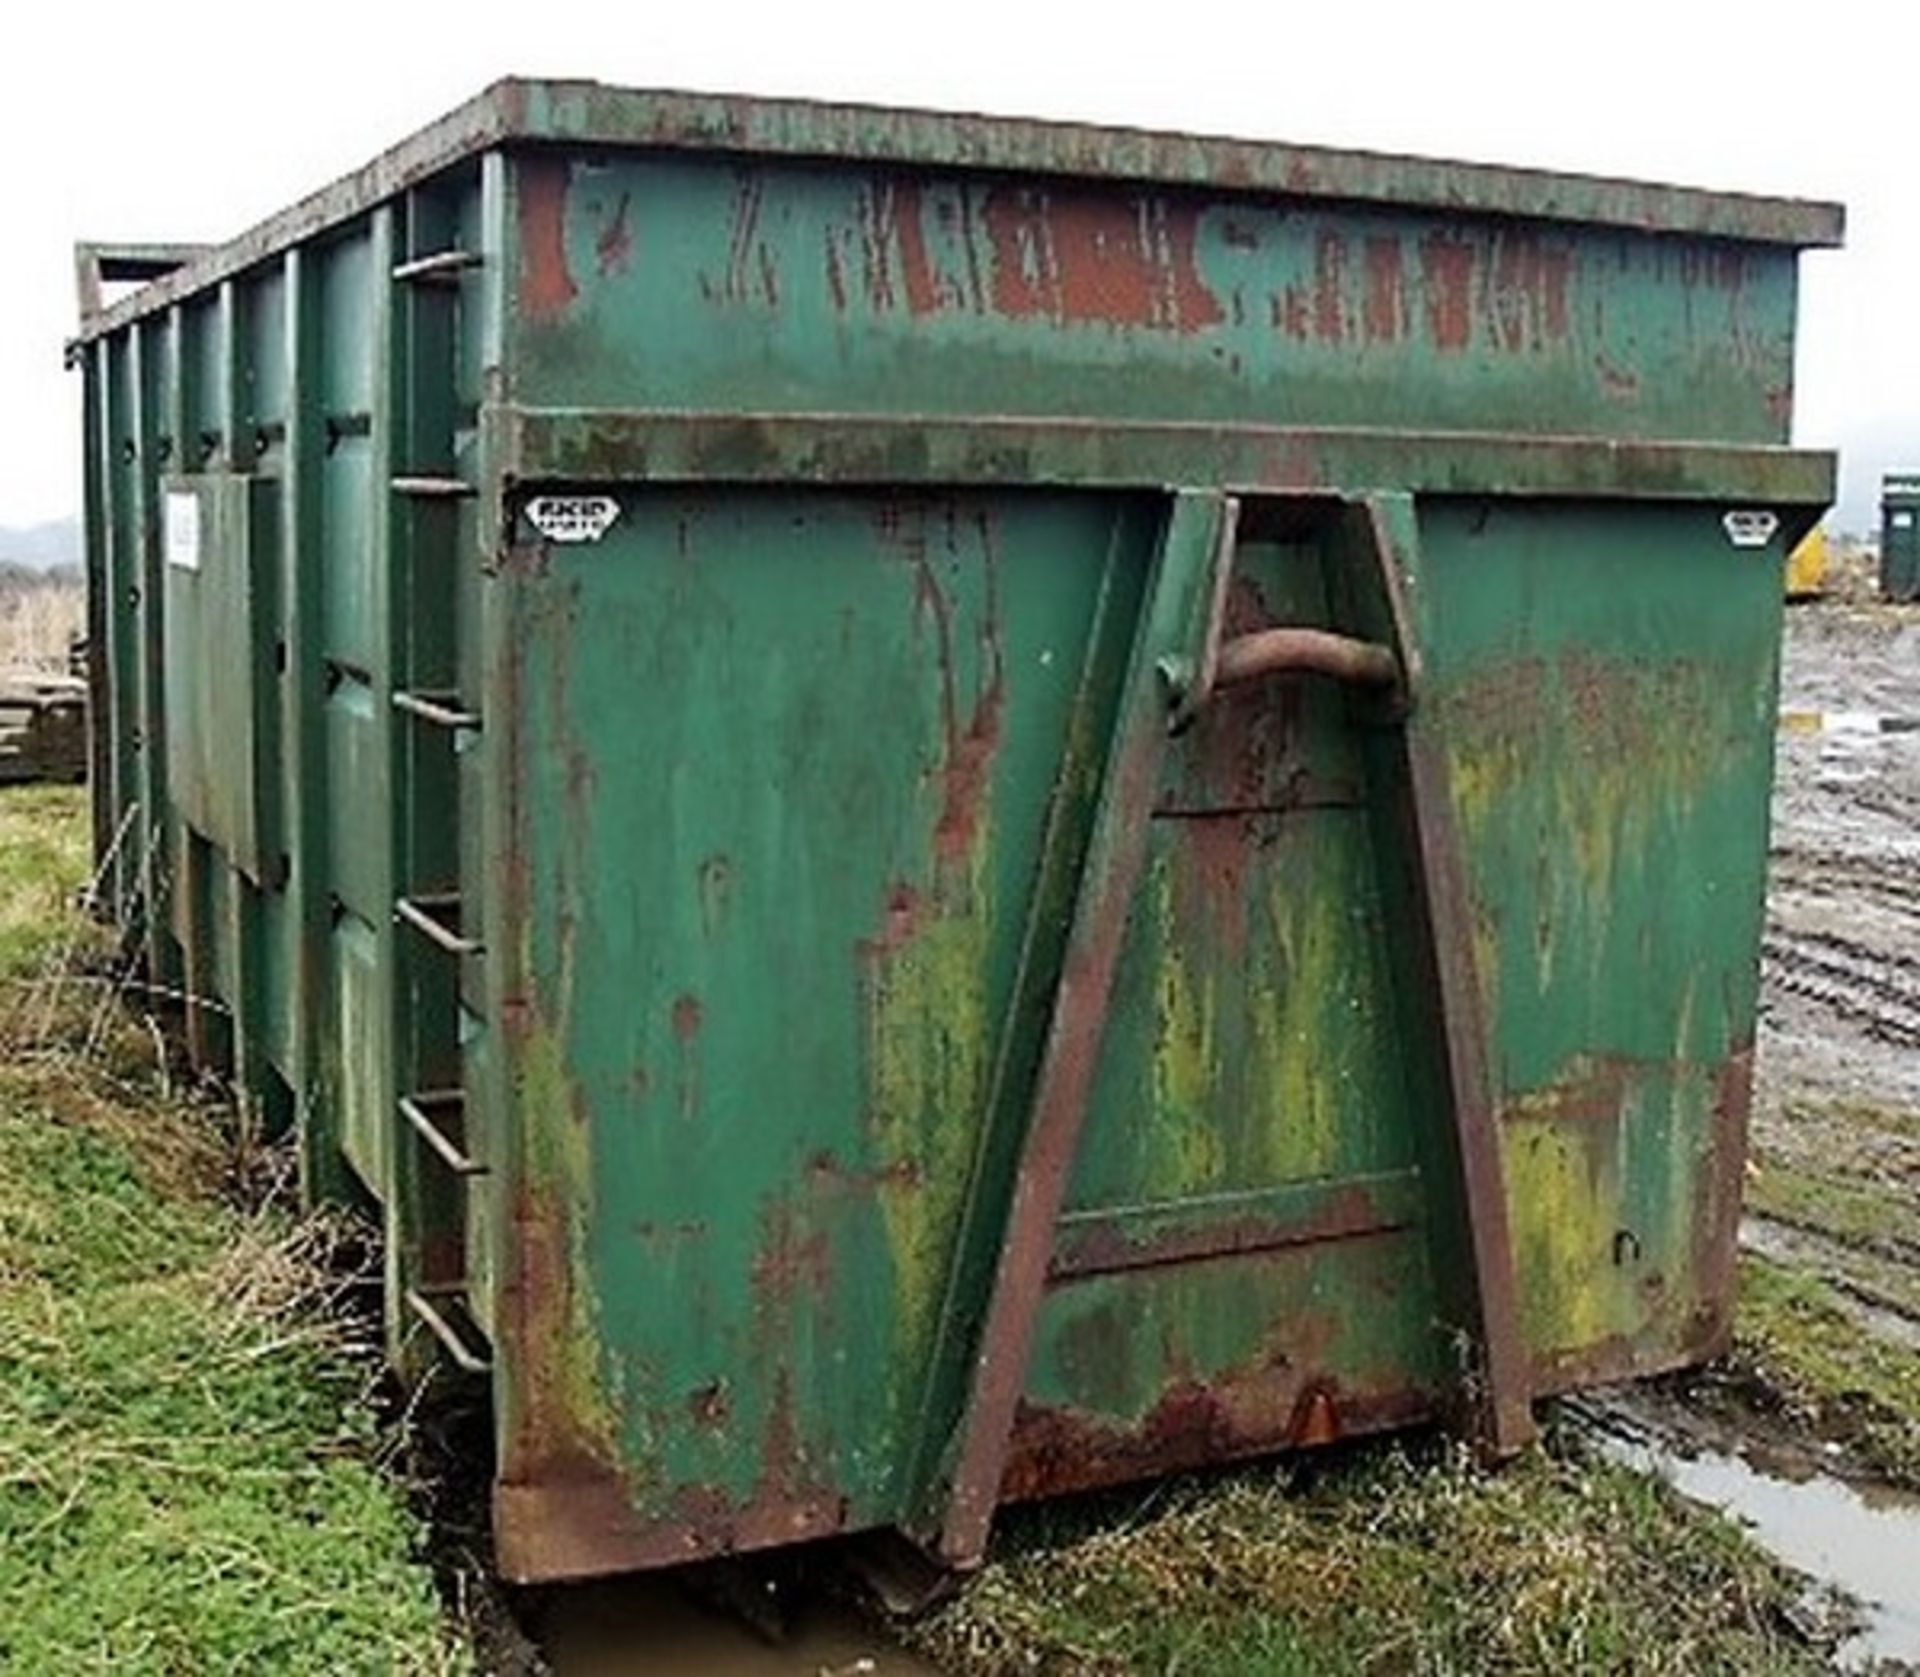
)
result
[(1316, 1418), (916, 272), (614, 247), (1716, 1227), (752, 274), (1056, 1449), (546, 283), (1446, 272), (580, 1523), (1383, 313), (1106, 1249), (900, 918), (1593, 1092), (792, 1260), (970, 742), (1098, 261), (1329, 287), (1527, 292), (709, 1406), (825, 1170), (688, 1015)]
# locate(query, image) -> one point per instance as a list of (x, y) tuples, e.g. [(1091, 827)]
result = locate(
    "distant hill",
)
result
[(42, 547)]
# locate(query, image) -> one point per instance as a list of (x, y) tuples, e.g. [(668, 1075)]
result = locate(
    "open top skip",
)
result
[(944, 809)]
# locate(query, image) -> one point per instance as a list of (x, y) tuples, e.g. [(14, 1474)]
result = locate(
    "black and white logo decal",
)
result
[(572, 518)]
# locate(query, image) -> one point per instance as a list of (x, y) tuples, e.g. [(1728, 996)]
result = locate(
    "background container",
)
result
[(1900, 537), (943, 809)]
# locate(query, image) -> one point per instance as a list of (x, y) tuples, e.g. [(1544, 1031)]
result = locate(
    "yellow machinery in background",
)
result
[(1807, 566)]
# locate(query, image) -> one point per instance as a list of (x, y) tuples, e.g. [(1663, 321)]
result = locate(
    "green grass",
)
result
[(1390, 1559), (1854, 1210), (1796, 1338), (190, 1476), (43, 861)]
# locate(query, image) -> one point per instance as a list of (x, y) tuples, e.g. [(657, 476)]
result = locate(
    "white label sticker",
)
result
[(1903, 521), (1747, 527), (183, 529), (572, 518)]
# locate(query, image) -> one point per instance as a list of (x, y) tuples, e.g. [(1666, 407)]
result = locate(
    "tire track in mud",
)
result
[(1877, 989), (1807, 1246)]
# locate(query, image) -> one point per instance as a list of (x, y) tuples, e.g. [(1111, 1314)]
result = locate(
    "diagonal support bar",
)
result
[(1171, 644), (1495, 1387)]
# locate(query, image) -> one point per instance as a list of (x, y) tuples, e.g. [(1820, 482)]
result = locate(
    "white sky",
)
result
[(190, 123)]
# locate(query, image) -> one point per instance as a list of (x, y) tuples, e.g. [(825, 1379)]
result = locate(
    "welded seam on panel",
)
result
[(593, 445)]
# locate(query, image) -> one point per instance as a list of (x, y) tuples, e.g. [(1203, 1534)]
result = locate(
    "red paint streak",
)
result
[(1529, 292), (687, 1014), (968, 745), (1385, 307), (1093, 261), (546, 284), (1329, 287), (916, 272), (1446, 270), (969, 762), (614, 247)]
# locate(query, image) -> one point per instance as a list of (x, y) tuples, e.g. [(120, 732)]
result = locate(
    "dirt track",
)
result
[(1837, 1109)]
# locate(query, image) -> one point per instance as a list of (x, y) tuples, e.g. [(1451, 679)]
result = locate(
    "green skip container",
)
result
[(1900, 537), (940, 809)]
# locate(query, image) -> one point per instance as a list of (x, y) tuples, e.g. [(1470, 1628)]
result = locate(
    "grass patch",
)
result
[(1858, 1212), (1388, 1559), (1870, 1118), (43, 860), (190, 1476), (1796, 1338)]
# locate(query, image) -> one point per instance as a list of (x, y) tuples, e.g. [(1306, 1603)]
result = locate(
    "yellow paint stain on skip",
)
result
[(1301, 1048), (1189, 1152), (560, 1168), (931, 1036), (1599, 797), (1563, 1206)]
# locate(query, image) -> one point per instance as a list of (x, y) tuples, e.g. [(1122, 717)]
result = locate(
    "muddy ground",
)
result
[(1836, 1144)]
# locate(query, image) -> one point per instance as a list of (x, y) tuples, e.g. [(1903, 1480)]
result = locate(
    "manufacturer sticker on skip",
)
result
[(572, 518), (1750, 526)]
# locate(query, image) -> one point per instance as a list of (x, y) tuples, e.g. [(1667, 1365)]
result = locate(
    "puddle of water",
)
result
[(625, 1627), (1863, 1540)]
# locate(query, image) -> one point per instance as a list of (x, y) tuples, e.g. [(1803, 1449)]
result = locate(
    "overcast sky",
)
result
[(189, 124)]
